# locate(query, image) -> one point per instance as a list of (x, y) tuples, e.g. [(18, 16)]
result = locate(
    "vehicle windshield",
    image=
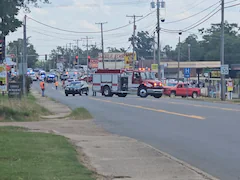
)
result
[(172, 84), (74, 85), (148, 75)]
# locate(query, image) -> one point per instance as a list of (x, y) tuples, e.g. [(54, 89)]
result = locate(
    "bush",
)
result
[(19, 79)]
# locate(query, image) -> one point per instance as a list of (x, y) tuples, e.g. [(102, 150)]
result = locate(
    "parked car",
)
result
[(181, 89), (79, 87)]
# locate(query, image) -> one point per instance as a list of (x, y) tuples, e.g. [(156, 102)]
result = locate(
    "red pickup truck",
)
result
[(181, 89)]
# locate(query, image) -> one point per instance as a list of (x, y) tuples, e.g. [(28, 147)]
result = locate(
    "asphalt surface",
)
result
[(205, 135)]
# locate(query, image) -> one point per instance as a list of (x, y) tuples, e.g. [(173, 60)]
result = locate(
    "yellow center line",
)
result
[(151, 109), (195, 105)]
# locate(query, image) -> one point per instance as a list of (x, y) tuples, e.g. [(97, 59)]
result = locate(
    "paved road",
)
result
[(205, 135)]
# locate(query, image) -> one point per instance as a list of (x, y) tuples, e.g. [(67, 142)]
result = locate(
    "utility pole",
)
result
[(70, 56), (78, 51), (154, 49), (87, 39), (189, 52), (102, 42), (24, 62), (223, 98), (179, 55), (134, 34), (158, 41)]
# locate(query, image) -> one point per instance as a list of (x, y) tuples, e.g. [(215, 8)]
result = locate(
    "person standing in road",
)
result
[(56, 84), (63, 84), (42, 86)]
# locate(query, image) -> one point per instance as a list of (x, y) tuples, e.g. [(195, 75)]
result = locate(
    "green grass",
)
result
[(80, 114), (38, 156), (18, 110)]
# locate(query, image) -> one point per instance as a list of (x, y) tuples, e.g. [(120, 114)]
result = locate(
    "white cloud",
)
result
[(88, 26), (40, 11)]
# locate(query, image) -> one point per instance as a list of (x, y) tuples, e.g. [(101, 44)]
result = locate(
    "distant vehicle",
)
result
[(51, 78), (79, 87), (84, 78), (33, 76), (64, 77), (181, 89), (42, 75)]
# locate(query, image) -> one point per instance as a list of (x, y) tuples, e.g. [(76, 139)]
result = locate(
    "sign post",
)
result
[(225, 69), (187, 74), (14, 90), (154, 67), (3, 79)]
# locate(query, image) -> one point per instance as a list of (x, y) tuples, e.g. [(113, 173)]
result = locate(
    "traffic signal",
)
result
[(45, 57), (89, 58), (76, 59)]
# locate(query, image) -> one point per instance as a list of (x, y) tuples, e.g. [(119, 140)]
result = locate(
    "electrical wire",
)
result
[(201, 21), (170, 22), (114, 29)]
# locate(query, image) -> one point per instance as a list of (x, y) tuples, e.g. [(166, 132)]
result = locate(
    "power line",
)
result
[(199, 22), (193, 14), (114, 29)]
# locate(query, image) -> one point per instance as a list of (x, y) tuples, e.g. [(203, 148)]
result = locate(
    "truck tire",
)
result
[(194, 95), (157, 96), (173, 94), (122, 95), (142, 92), (66, 94), (107, 91)]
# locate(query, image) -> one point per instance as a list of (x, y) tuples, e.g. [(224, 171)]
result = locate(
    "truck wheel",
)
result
[(66, 94), (194, 95), (142, 91), (73, 94), (173, 94), (122, 95), (157, 96), (107, 91)]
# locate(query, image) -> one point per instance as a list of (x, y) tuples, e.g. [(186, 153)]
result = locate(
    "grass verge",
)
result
[(18, 110), (43, 157), (80, 114)]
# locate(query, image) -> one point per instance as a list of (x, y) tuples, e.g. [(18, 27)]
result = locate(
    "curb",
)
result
[(198, 171)]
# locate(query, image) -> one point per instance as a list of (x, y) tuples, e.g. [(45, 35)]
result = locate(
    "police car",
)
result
[(51, 78)]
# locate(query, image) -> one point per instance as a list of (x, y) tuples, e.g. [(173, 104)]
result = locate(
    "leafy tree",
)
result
[(16, 47), (144, 44), (9, 9), (209, 47)]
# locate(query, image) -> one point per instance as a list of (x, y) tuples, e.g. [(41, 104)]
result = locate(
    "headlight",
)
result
[(148, 84)]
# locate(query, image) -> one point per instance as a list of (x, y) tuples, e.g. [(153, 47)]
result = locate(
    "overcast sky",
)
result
[(81, 16)]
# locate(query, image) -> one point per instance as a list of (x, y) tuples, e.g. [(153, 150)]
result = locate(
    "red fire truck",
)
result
[(122, 82)]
